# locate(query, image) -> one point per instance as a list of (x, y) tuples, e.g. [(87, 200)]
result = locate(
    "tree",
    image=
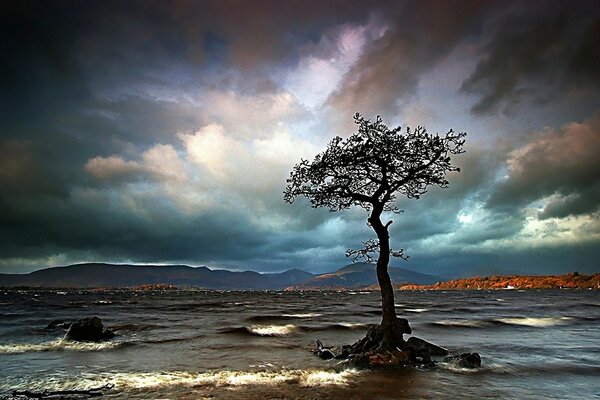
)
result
[(369, 169)]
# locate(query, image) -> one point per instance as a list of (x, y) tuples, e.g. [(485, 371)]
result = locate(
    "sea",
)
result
[(186, 344)]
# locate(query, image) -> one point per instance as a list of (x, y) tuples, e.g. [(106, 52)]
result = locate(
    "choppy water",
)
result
[(256, 345)]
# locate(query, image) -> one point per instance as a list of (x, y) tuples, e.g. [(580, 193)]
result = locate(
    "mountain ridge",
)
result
[(93, 275)]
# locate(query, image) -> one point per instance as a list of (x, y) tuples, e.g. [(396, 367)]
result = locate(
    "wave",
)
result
[(341, 326), (127, 381), (305, 315), (273, 330), (524, 369), (133, 327), (536, 322), (273, 317), (170, 340), (12, 315), (264, 330), (416, 310), (461, 323), (59, 345)]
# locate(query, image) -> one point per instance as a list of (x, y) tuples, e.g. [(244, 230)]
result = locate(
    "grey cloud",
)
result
[(419, 36), (531, 54), (586, 201), (563, 163)]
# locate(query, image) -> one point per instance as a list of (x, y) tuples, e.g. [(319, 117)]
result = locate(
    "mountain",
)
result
[(111, 275), (362, 275)]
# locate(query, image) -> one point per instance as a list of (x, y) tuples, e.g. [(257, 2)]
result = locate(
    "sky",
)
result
[(163, 131)]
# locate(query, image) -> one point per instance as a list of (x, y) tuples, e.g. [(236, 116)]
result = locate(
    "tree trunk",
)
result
[(392, 328)]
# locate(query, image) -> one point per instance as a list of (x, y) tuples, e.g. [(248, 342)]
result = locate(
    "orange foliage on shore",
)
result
[(569, 281)]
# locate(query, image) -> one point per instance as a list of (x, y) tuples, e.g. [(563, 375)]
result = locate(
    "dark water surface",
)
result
[(256, 345)]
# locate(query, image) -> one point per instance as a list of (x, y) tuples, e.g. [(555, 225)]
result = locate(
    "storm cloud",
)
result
[(164, 132)]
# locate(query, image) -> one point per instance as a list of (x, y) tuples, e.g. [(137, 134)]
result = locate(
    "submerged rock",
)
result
[(88, 330), (465, 360), (420, 346), (58, 324), (323, 352)]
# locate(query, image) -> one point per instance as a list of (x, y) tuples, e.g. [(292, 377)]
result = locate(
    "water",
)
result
[(257, 345)]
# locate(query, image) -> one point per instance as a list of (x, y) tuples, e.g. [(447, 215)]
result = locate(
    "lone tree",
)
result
[(368, 169)]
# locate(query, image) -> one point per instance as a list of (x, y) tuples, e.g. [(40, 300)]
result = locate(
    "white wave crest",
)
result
[(467, 323), (537, 322), (306, 315), (231, 378), (57, 345), (126, 381), (351, 325), (416, 310), (273, 330)]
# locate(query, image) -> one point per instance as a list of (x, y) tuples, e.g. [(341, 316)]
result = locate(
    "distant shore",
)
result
[(572, 280), (568, 281)]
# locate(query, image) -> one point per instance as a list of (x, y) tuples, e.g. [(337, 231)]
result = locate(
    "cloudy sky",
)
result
[(163, 132)]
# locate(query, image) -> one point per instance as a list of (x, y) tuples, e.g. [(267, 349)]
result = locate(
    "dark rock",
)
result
[(58, 324), (323, 352), (465, 360), (107, 334), (422, 347), (88, 330), (403, 325)]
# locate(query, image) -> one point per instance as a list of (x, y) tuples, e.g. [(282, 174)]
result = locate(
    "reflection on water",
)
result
[(186, 344)]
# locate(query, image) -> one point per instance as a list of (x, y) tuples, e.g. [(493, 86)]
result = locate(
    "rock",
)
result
[(58, 324), (323, 352), (421, 347), (389, 359), (88, 330), (465, 360)]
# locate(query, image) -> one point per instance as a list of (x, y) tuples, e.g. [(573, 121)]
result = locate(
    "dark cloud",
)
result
[(584, 202), (563, 163), (96, 99), (531, 53), (418, 37)]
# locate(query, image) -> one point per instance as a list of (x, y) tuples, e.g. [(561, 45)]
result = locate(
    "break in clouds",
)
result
[(164, 132)]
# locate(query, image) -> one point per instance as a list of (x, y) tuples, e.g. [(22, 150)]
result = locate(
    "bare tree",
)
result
[(369, 169)]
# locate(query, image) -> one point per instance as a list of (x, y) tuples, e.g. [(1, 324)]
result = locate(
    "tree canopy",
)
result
[(371, 166)]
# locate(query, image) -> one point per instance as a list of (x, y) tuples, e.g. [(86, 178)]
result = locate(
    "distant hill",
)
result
[(360, 275), (111, 275), (572, 280)]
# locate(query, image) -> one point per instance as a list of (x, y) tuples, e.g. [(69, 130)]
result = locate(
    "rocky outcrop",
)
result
[(323, 352), (88, 330), (415, 352), (421, 346)]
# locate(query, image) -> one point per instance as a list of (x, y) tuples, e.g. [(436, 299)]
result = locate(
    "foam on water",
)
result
[(536, 322), (416, 310), (305, 315), (351, 325), (464, 323), (57, 345), (126, 381), (273, 330)]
